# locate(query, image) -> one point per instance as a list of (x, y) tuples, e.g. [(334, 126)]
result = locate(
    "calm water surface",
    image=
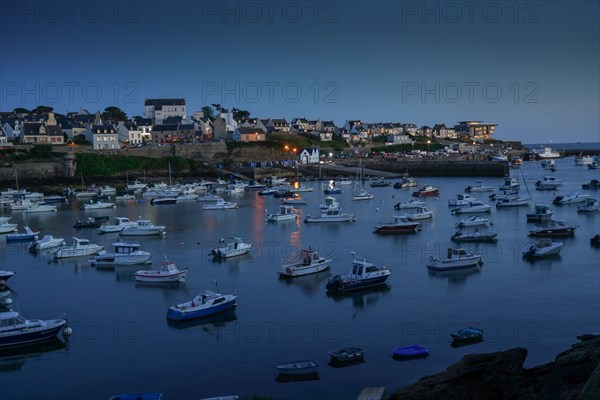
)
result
[(122, 342)]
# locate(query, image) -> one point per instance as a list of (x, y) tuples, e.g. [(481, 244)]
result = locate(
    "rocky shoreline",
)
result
[(573, 375)]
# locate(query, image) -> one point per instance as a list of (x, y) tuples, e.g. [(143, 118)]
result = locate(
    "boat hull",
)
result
[(294, 270), (68, 253), (355, 285), (110, 260), (393, 230), (450, 265), (38, 335), (155, 276), (183, 315)]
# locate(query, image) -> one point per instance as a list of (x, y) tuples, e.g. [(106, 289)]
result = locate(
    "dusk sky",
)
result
[(531, 67)]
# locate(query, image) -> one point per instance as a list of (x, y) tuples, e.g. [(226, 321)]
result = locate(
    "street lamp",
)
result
[(429, 141)]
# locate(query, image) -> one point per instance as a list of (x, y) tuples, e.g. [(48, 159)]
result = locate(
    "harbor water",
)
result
[(123, 343)]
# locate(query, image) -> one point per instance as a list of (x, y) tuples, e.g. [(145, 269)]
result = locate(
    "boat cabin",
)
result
[(308, 256), (126, 248), (11, 320), (122, 220), (361, 267), (168, 266), (456, 253)]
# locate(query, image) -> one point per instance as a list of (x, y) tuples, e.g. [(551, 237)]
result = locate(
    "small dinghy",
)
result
[(298, 367), (410, 352), (346, 355), (28, 235), (467, 335)]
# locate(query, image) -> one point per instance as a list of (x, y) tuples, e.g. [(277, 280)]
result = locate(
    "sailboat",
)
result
[(513, 199), (361, 194)]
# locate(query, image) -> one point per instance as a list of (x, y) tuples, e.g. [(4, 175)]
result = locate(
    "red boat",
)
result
[(426, 190), (401, 224)]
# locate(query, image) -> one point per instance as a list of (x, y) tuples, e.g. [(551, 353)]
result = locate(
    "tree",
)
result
[(240, 115), (42, 110), (217, 107), (114, 114), (21, 110), (208, 112)]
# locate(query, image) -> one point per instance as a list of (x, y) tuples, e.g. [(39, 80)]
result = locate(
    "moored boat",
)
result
[(90, 222), (419, 213), (168, 272), (401, 224), (28, 235), (298, 367), (472, 221), (455, 259), (6, 227), (540, 212), (478, 187), (346, 354), (573, 198), (467, 335), (236, 247), (426, 191), (79, 248), (472, 207), (414, 351), (18, 331), (6, 275), (122, 254), (286, 213), (120, 223), (220, 204), (593, 184), (203, 305), (143, 227), (554, 228), (332, 215), (410, 204), (462, 199), (99, 205), (40, 208), (542, 248), (47, 242), (475, 236), (309, 263), (590, 205), (363, 274)]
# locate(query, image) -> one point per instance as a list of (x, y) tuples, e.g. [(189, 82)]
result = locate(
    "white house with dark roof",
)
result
[(242, 134), (12, 129), (309, 155), (130, 133), (279, 125), (4, 143), (159, 109), (102, 135)]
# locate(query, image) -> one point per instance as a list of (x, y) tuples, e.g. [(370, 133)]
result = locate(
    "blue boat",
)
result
[(467, 335), (18, 331), (332, 190), (137, 396), (363, 274), (28, 235), (204, 305), (410, 352)]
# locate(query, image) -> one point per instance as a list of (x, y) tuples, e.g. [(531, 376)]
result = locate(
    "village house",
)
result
[(160, 109), (310, 155), (475, 130), (48, 132), (242, 134), (129, 133), (102, 135), (165, 133), (279, 125), (4, 143), (12, 129)]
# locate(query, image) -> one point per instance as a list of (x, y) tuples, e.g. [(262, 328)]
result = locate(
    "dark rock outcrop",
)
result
[(501, 375)]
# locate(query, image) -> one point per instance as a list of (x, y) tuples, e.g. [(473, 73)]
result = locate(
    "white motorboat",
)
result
[(410, 204), (21, 205), (310, 263), (203, 305), (472, 221), (548, 183), (125, 197), (542, 248), (107, 191), (512, 201), (540, 212), (455, 259), (220, 205), (590, 205), (39, 208), (473, 207), (549, 164), (301, 188), (546, 152), (236, 247), (574, 198), (342, 181), (584, 160), (554, 228), (286, 213), (136, 185), (120, 224), (475, 236), (168, 272), (333, 215), (331, 203), (5, 227), (99, 205), (47, 242), (362, 195), (419, 213), (509, 184), (363, 274), (499, 157), (208, 198), (478, 187), (122, 254), (79, 248), (143, 227), (461, 200)]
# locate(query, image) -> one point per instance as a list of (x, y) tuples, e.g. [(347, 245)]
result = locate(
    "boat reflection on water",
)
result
[(309, 284), (544, 261), (343, 364), (461, 343), (361, 298), (455, 277), (124, 273), (210, 325), (12, 359), (284, 378)]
